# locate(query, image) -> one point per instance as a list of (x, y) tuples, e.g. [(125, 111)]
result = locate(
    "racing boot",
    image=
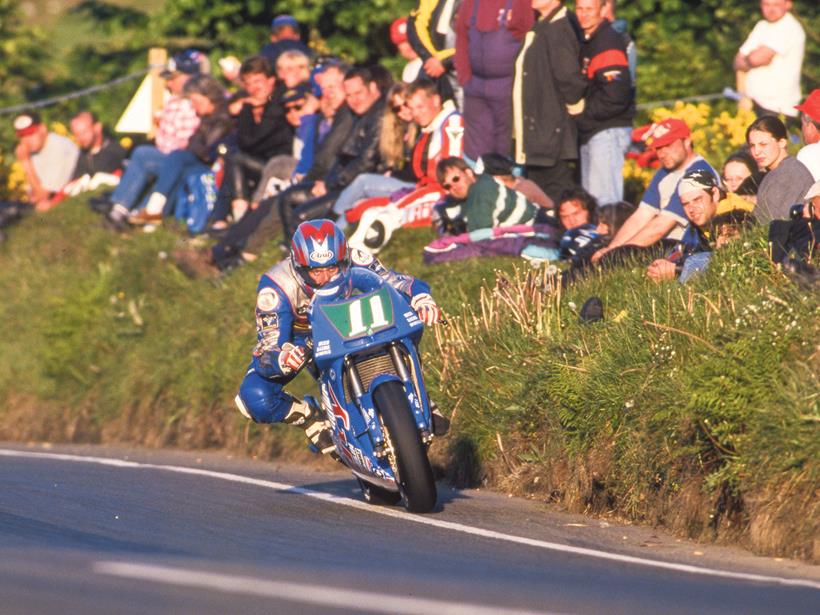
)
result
[(441, 424), (307, 415)]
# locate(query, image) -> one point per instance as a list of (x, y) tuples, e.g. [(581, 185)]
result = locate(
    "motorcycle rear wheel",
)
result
[(412, 468)]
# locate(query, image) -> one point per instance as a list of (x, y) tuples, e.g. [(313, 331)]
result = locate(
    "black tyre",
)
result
[(410, 463), (377, 495)]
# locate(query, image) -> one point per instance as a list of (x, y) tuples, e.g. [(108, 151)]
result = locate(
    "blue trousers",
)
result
[(264, 398), (143, 166)]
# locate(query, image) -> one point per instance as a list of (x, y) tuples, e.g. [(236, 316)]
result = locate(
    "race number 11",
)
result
[(377, 319)]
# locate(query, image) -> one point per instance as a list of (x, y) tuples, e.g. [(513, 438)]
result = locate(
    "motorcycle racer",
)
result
[(320, 263)]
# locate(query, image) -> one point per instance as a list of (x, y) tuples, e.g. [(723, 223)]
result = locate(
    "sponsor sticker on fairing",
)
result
[(323, 348)]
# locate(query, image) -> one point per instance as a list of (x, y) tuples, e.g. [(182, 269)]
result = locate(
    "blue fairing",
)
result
[(363, 325)]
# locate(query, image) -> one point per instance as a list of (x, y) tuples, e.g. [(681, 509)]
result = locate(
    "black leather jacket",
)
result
[(360, 153)]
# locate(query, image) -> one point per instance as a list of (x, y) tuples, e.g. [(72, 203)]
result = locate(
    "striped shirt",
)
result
[(491, 204)]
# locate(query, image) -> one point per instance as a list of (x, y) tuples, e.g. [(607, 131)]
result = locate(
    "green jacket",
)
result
[(490, 204)]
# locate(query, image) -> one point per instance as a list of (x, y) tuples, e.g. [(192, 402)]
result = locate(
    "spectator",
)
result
[(208, 99), (612, 217), (502, 168), (660, 216), (577, 214), (786, 180), (262, 132), (442, 129), (487, 202), (396, 141), (359, 154), (809, 155), (795, 241), (398, 36), (285, 35), (244, 241), (431, 34), (176, 122), (604, 127), (772, 57), (292, 69), (489, 34), (399, 133), (577, 207), (548, 91), (742, 176), (98, 153), (48, 160), (700, 194), (329, 81)]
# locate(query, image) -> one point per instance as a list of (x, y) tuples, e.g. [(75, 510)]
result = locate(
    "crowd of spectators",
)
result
[(507, 133)]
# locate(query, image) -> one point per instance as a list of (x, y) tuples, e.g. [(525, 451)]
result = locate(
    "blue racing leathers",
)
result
[(282, 320)]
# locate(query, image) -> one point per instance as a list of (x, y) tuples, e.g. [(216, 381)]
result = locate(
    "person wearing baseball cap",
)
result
[(285, 34), (660, 218), (398, 36), (809, 155), (715, 218), (48, 159)]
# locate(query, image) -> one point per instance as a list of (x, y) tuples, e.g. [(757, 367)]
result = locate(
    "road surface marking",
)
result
[(424, 520), (313, 593)]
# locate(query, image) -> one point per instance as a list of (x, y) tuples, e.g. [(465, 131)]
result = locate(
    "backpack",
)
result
[(196, 199)]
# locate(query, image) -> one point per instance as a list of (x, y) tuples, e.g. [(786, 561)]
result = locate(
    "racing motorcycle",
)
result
[(365, 359)]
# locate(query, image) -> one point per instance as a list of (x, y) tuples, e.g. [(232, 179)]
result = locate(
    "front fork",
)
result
[(412, 387)]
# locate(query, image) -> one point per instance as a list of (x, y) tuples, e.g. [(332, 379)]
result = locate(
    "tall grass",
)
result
[(691, 406)]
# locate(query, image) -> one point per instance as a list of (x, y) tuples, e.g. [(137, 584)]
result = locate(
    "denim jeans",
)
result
[(173, 171), (365, 186), (143, 166), (602, 164)]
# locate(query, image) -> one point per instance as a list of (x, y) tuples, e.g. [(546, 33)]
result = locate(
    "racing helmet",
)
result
[(317, 244)]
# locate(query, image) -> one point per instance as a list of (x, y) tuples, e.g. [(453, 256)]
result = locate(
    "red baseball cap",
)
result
[(811, 106), (398, 31), (26, 124), (663, 133)]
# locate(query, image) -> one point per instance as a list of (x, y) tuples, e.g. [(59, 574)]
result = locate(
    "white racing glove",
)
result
[(291, 358), (427, 308)]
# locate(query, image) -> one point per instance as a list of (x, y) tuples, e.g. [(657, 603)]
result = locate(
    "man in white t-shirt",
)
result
[(772, 57), (660, 218), (48, 160), (810, 116)]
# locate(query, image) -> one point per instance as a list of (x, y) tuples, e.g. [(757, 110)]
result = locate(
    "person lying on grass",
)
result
[(714, 220)]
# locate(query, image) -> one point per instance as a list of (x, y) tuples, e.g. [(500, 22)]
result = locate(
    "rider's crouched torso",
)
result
[(282, 306)]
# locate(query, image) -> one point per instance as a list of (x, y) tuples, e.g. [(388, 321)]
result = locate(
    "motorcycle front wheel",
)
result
[(409, 456)]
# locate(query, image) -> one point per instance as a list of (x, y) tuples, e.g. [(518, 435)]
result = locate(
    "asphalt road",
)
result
[(104, 530)]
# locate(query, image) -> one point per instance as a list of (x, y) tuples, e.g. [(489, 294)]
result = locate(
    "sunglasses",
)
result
[(397, 108), (294, 107), (455, 179)]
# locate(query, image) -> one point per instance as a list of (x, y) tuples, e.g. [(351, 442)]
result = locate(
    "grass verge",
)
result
[(694, 407)]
